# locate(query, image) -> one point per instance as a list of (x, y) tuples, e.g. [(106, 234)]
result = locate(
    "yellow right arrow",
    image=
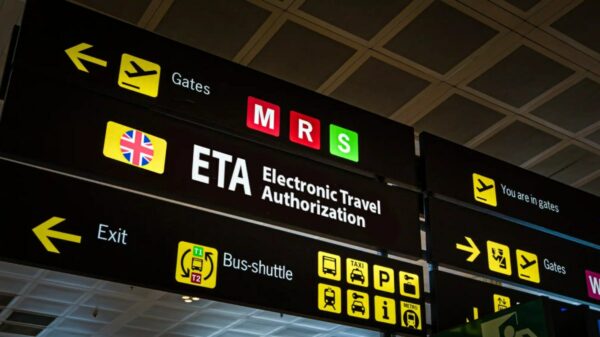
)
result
[(76, 56), (44, 232), (471, 248)]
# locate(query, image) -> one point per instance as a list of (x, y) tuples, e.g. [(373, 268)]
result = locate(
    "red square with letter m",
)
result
[(263, 116)]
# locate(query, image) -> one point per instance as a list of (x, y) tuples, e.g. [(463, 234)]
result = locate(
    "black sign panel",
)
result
[(469, 176), (81, 227), (116, 59), (475, 300), (103, 138), (485, 244)]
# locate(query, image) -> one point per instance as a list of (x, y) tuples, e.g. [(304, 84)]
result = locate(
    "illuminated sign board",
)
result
[(112, 58), (109, 140), (476, 300), (86, 228), (462, 174), (477, 242)]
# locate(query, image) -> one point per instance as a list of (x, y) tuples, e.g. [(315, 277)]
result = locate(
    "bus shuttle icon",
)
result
[(329, 266)]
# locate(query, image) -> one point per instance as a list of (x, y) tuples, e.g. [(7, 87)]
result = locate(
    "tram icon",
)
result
[(329, 298)]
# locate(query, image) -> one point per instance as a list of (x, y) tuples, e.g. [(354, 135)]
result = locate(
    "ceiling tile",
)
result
[(315, 324), (130, 332), (59, 333), (193, 330), (458, 119), (127, 290), (150, 323), (379, 87), (57, 294), (274, 316), (594, 137), (69, 279), (255, 326), (523, 5), (167, 312), (14, 329), (592, 187), (301, 56), (574, 109), (81, 326), (130, 10), (214, 319), (42, 306), (18, 269), (517, 143), (440, 37), (361, 18), (360, 332), (582, 24), (296, 331), (218, 27), (30, 318), (231, 309), (110, 303), (569, 165), (11, 285), (236, 334), (101, 315), (521, 76)]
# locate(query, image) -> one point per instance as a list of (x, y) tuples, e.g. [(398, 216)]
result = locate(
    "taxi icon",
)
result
[(357, 275), (358, 306)]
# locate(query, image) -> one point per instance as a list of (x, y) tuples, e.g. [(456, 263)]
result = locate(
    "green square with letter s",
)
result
[(343, 143)]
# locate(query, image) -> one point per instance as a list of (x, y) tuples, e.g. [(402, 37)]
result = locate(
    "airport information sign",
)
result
[(116, 59), (476, 300), (109, 140), (87, 228), (485, 244), (460, 173)]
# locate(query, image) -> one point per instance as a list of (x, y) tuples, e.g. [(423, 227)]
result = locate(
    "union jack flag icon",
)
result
[(134, 147), (137, 148)]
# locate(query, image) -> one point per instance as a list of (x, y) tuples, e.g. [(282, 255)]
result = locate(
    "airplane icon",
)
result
[(139, 75), (527, 263), (483, 187), (139, 71), (484, 190)]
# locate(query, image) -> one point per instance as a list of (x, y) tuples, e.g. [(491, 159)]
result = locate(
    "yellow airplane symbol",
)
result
[(44, 232)]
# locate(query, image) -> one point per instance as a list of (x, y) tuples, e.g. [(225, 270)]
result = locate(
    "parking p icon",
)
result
[(383, 278)]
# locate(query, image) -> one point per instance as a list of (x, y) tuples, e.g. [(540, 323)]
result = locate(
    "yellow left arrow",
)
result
[(44, 232), (76, 55)]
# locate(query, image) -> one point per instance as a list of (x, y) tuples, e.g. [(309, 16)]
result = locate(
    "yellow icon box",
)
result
[(501, 302), (499, 258), (384, 279), (528, 267), (385, 310), (357, 304), (484, 190), (139, 75), (410, 315), (154, 151), (329, 266), (196, 265), (329, 298), (357, 272), (409, 285)]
